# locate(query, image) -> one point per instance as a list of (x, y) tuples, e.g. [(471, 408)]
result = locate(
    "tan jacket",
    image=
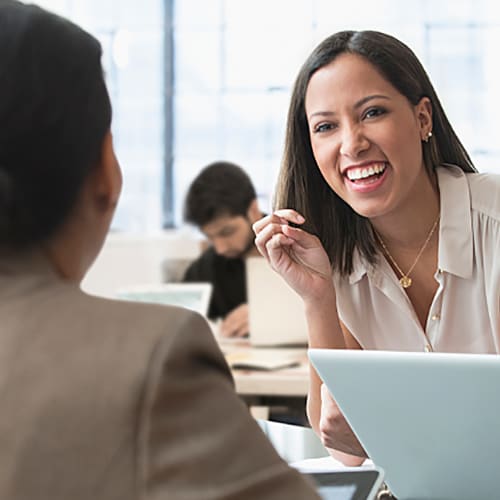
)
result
[(103, 399)]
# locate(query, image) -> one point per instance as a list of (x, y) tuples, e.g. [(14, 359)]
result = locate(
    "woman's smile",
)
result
[(367, 177)]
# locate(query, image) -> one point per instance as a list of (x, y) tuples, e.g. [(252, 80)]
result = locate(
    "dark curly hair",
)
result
[(221, 188)]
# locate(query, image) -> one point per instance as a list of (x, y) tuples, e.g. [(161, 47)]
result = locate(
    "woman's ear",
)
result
[(107, 176), (424, 117)]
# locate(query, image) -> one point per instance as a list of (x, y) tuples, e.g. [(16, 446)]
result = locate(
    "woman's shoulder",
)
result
[(484, 180), (143, 328), (136, 322), (485, 193)]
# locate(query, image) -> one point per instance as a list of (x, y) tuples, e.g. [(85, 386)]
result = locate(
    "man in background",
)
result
[(222, 203)]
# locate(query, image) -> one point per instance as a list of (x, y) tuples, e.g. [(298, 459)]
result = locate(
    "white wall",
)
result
[(130, 259)]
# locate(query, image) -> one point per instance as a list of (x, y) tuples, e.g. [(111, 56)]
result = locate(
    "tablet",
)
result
[(352, 484)]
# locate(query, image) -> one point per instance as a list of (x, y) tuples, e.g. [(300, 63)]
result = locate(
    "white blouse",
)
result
[(465, 312)]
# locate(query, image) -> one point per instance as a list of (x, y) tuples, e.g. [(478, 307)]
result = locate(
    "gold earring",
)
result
[(428, 136)]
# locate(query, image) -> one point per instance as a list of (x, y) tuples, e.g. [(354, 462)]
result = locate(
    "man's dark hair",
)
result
[(221, 188), (54, 114)]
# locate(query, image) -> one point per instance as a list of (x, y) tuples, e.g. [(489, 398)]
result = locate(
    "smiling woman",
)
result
[(350, 76), (395, 234), (366, 137)]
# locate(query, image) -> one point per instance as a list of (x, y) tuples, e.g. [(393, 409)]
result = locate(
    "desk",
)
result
[(284, 382), (263, 389)]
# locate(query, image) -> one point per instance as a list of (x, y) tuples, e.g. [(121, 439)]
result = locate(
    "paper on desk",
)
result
[(326, 464), (270, 359)]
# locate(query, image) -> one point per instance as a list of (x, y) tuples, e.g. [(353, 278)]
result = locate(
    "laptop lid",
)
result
[(430, 420), (276, 312), (195, 296)]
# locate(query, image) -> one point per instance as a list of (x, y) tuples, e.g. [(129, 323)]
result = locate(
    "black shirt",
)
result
[(227, 277)]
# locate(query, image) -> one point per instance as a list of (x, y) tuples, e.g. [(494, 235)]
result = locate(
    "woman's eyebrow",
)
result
[(357, 105)]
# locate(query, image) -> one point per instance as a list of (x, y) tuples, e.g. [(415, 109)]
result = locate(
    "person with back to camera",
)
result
[(383, 225), (222, 202), (101, 399)]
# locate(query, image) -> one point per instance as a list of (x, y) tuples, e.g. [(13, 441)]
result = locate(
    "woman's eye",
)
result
[(374, 112), (323, 127)]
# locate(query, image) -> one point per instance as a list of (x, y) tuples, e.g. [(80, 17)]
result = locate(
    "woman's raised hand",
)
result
[(295, 254)]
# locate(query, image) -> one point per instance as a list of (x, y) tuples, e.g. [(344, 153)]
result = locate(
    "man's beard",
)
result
[(250, 245), (251, 241)]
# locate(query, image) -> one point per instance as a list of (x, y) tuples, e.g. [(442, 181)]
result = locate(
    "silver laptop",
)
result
[(430, 420), (276, 312), (195, 296)]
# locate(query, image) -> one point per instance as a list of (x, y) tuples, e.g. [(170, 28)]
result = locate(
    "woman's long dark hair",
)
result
[(54, 114), (301, 185)]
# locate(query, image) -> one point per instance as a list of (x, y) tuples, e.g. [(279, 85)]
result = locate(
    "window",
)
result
[(236, 60), (195, 81), (132, 36)]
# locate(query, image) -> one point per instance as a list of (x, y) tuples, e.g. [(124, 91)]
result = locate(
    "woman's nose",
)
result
[(354, 142)]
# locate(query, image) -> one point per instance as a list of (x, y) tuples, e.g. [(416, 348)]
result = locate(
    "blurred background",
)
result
[(194, 81)]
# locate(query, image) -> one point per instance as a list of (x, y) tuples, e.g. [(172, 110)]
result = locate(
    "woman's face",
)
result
[(366, 136)]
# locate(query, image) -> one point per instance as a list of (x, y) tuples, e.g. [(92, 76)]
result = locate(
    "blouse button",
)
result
[(435, 317)]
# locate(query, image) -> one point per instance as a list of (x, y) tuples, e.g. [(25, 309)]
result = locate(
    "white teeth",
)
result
[(354, 174)]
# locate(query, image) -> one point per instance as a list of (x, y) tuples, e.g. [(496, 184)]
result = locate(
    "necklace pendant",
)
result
[(405, 281)]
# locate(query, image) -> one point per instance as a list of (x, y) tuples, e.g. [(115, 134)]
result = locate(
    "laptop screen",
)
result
[(361, 484), (276, 312), (194, 296)]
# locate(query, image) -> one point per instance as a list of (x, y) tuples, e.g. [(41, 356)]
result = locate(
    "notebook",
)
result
[(276, 312), (264, 358), (195, 296), (430, 420)]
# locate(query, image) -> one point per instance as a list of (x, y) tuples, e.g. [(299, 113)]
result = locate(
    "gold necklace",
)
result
[(405, 279)]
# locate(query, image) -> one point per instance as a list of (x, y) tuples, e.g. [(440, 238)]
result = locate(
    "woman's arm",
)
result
[(324, 332), (302, 261), (323, 413)]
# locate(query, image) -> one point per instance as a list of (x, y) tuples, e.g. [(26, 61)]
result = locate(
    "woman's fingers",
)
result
[(273, 246), (267, 232), (275, 237), (277, 224), (302, 238), (282, 216)]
